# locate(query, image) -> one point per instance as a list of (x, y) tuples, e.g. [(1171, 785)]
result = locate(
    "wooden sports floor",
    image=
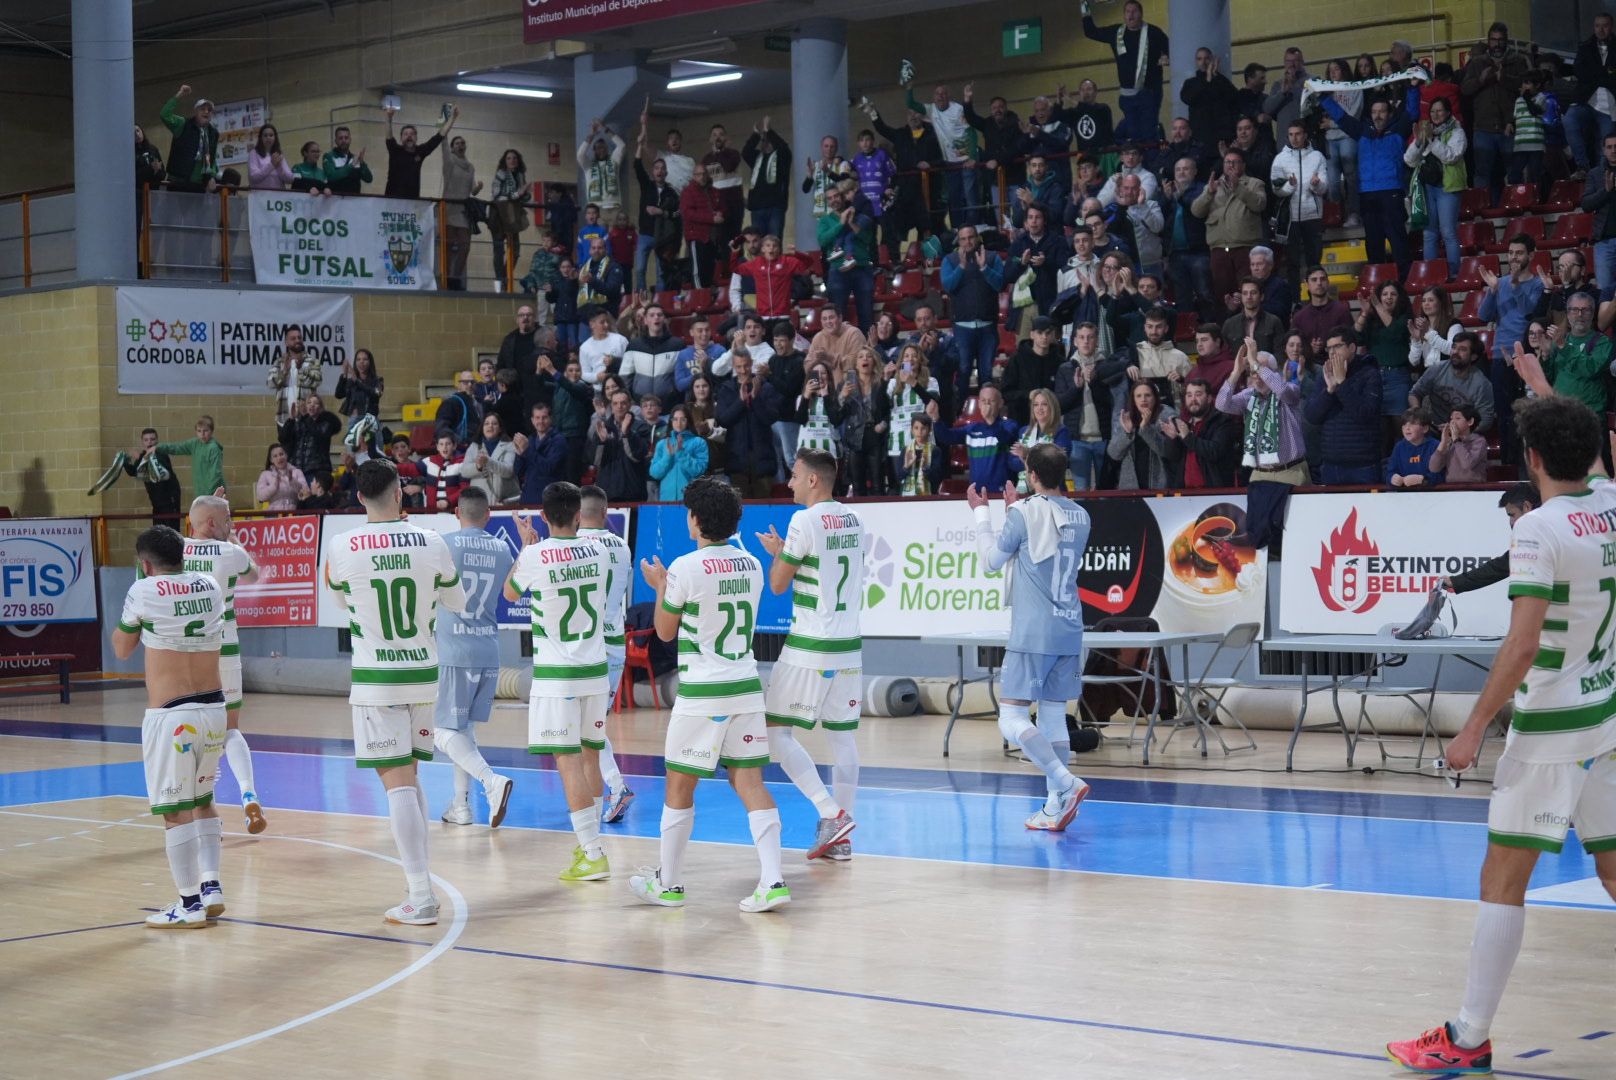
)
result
[(1233, 922)]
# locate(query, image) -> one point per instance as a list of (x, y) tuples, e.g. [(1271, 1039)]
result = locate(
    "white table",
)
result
[(1117, 639), (1471, 650)]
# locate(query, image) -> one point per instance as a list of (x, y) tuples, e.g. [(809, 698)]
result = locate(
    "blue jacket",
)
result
[(1380, 153), (1349, 419), (540, 465), (989, 448), (687, 364), (1410, 460), (973, 292), (675, 470), (1185, 233), (1510, 306)]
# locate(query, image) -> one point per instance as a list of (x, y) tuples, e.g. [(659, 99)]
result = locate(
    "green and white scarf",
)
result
[(1262, 432), (1139, 61)]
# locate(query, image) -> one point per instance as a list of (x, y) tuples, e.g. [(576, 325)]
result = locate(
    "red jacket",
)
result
[(620, 244), (1433, 90), (773, 282), (697, 207)]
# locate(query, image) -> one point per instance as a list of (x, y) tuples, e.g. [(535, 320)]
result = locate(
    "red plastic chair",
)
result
[(1373, 275), (636, 657), (815, 261), (1469, 275), (1517, 199), (1564, 196), (668, 300), (968, 412), (1526, 226), (1426, 273), (1184, 329), (913, 256), (1572, 230), (1486, 341), (1542, 260), (1334, 215), (1474, 236), (1470, 311), (911, 283), (1007, 342), (887, 288), (1473, 203)]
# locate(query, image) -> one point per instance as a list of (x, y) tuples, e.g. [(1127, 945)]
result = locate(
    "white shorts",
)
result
[(230, 680), (565, 725), (180, 747), (699, 744), (388, 735), (802, 697), (1533, 804), (465, 696)]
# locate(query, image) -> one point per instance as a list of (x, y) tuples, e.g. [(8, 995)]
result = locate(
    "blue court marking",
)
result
[(1597, 1035), (854, 995), (61, 933), (1284, 849), (1533, 1053)]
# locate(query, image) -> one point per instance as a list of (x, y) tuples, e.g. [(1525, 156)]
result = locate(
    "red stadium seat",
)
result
[(1572, 230), (913, 257), (1470, 311), (1007, 342), (968, 412), (1542, 260), (883, 255), (1184, 330), (1588, 264), (1469, 276), (1425, 273), (912, 283), (1333, 215), (668, 300), (1473, 203), (1526, 226), (1372, 274), (886, 288), (959, 459), (1564, 196), (957, 485), (424, 437), (808, 322), (1486, 341), (1517, 199), (1474, 236)]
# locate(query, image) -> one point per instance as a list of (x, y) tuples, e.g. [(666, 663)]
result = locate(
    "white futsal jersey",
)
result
[(715, 589), (564, 579), (225, 563), (620, 566), (181, 612), (393, 575), (825, 543), (1565, 552)]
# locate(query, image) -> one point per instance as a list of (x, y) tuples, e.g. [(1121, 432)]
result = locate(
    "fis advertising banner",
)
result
[(1356, 563), (47, 573), (223, 341), (337, 242)]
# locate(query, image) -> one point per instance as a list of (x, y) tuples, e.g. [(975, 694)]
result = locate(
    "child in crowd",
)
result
[(1534, 112), (441, 472), (545, 269), (924, 463), (207, 457), (590, 229), (1461, 455), (562, 294), (622, 240), (1410, 465)]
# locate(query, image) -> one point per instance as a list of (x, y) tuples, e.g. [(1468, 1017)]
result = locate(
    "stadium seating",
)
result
[(1469, 275), (1474, 236), (1517, 199), (1473, 202), (1374, 274), (1426, 273), (1470, 311), (1571, 230), (1564, 196), (1526, 226)]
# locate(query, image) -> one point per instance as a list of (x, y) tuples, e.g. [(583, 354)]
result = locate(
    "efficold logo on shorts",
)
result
[(698, 755), (381, 744), (553, 733), (183, 734)]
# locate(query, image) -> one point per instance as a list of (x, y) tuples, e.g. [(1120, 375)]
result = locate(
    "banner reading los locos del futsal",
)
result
[(223, 341), (335, 242)]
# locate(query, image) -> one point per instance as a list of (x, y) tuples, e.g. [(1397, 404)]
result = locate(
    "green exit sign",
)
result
[(1023, 37), (777, 42)]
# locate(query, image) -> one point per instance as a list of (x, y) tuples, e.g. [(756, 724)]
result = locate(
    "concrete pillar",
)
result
[(818, 105), (612, 87), (1192, 24), (103, 135)]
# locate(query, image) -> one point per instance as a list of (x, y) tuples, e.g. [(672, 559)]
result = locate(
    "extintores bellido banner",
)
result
[(223, 341), (338, 242)]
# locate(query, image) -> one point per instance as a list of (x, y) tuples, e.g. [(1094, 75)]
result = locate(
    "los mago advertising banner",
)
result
[(286, 550), (336, 242), (1357, 563), (223, 341), (47, 573), (331, 612)]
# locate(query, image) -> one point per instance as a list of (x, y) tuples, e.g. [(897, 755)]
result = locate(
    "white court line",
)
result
[(443, 945)]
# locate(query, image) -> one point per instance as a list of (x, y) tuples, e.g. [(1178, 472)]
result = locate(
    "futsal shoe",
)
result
[(842, 852), (456, 813), (584, 868), (767, 898), (177, 916), (1065, 811), (498, 792), (647, 888), (255, 813), (831, 831), (616, 806), (212, 899), (410, 913), (1436, 1053)]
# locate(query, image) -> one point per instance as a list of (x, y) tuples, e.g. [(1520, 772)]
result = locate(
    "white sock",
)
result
[(844, 771), (676, 829), (210, 834), (239, 755), (1052, 725), (409, 834), (461, 749), (182, 847), (1493, 950), (793, 757), (765, 825), (586, 826), (420, 795), (1038, 750), (609, 771), (462, 781)]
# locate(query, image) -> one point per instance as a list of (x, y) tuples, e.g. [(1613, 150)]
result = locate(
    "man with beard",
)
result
[(404, 157), (1457, 381), (723, 164), (1211, 439)]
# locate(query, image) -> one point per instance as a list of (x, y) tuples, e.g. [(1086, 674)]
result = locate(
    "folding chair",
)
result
[(1132, 682), (1369, 692), (1203, 698)]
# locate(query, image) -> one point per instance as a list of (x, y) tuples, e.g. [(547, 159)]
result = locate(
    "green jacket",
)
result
[(207, 462), (1577, 370), (339, 168), (314, 174), (543, 272), (831, 227), (194, 154)]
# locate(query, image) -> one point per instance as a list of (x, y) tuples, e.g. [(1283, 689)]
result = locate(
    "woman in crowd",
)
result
[(507, 219), (307, 175), (1148, 458), (1274, 444), (1046, 427), (680, 456), (281, 484), (149, 172), (1383, 330), (1431, 332), (866, 416), (266, 165), (910, 386), (819, 411), (1343, 149), (1118, 297), (704, 421), (490, 463), (884, 337), (1437, 154), (359, 387), (1299, 367), (460, 183)]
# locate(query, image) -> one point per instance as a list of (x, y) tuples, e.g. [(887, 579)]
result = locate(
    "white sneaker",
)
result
[(767, 898), (498, 792), (1065, 810), (1353, 221), (457, 813), (647, 888), (177, 916), (212, 899), (410, 913)]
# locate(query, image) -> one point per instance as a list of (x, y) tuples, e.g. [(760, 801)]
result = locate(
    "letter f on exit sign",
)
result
[(1023, 37)]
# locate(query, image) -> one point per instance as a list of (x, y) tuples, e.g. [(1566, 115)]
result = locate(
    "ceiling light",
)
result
[(704, 80), (714, 47), (503, 91)]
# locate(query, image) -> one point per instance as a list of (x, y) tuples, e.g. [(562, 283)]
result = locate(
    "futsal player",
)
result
[(1558, 665), (392, 576), (468, 654), (178, 615), (1040, 551), (708, 599), (592, 523), (563, 577), (210, 550), (819, 676)]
